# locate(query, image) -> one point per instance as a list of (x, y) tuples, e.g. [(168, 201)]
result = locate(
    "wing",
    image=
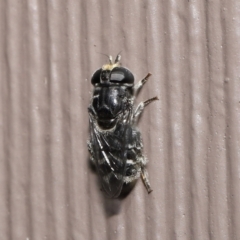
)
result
[(110, 155)]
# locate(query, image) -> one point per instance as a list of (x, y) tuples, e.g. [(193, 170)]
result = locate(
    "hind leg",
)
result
[(144, 175), (136, 162), (137, 168)]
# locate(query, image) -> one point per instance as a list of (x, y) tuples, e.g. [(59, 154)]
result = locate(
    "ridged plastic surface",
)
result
[(48, 52)]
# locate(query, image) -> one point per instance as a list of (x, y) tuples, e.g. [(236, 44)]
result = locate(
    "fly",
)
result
[(115, 144)]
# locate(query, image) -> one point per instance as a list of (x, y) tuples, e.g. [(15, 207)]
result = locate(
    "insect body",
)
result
[(115, 144)]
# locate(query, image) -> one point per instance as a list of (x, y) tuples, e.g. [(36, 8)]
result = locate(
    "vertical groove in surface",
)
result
[(4, 203), (34, 126), (228, 116), (217, 154), (159, 164), (177, 107), (199, 122), (48, 52), (230, 22), (16, 123), (58, 98)]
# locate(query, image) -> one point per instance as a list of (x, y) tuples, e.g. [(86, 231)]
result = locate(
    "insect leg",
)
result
[(139, 85), (145, 179), (141, 107)]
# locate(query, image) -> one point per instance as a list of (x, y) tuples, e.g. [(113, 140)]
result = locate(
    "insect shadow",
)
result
[(112, 206)]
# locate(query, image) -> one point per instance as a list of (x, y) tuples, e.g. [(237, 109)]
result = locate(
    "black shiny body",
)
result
[(115, 144), (109, 102)]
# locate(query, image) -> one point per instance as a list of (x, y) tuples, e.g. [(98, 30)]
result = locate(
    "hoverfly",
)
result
[(115, 144)]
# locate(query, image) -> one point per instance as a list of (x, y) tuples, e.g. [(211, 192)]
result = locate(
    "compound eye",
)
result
[(121, 75), (96, 77)]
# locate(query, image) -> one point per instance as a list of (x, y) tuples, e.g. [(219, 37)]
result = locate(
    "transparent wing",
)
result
[(110, 154)]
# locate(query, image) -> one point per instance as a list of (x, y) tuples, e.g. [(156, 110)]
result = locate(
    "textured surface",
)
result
[(48, 52)]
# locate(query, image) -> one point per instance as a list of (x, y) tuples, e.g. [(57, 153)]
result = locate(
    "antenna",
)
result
[(118, 57), (109, 57)]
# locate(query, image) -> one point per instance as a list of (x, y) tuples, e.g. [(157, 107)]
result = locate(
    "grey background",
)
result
[(48, 52)]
